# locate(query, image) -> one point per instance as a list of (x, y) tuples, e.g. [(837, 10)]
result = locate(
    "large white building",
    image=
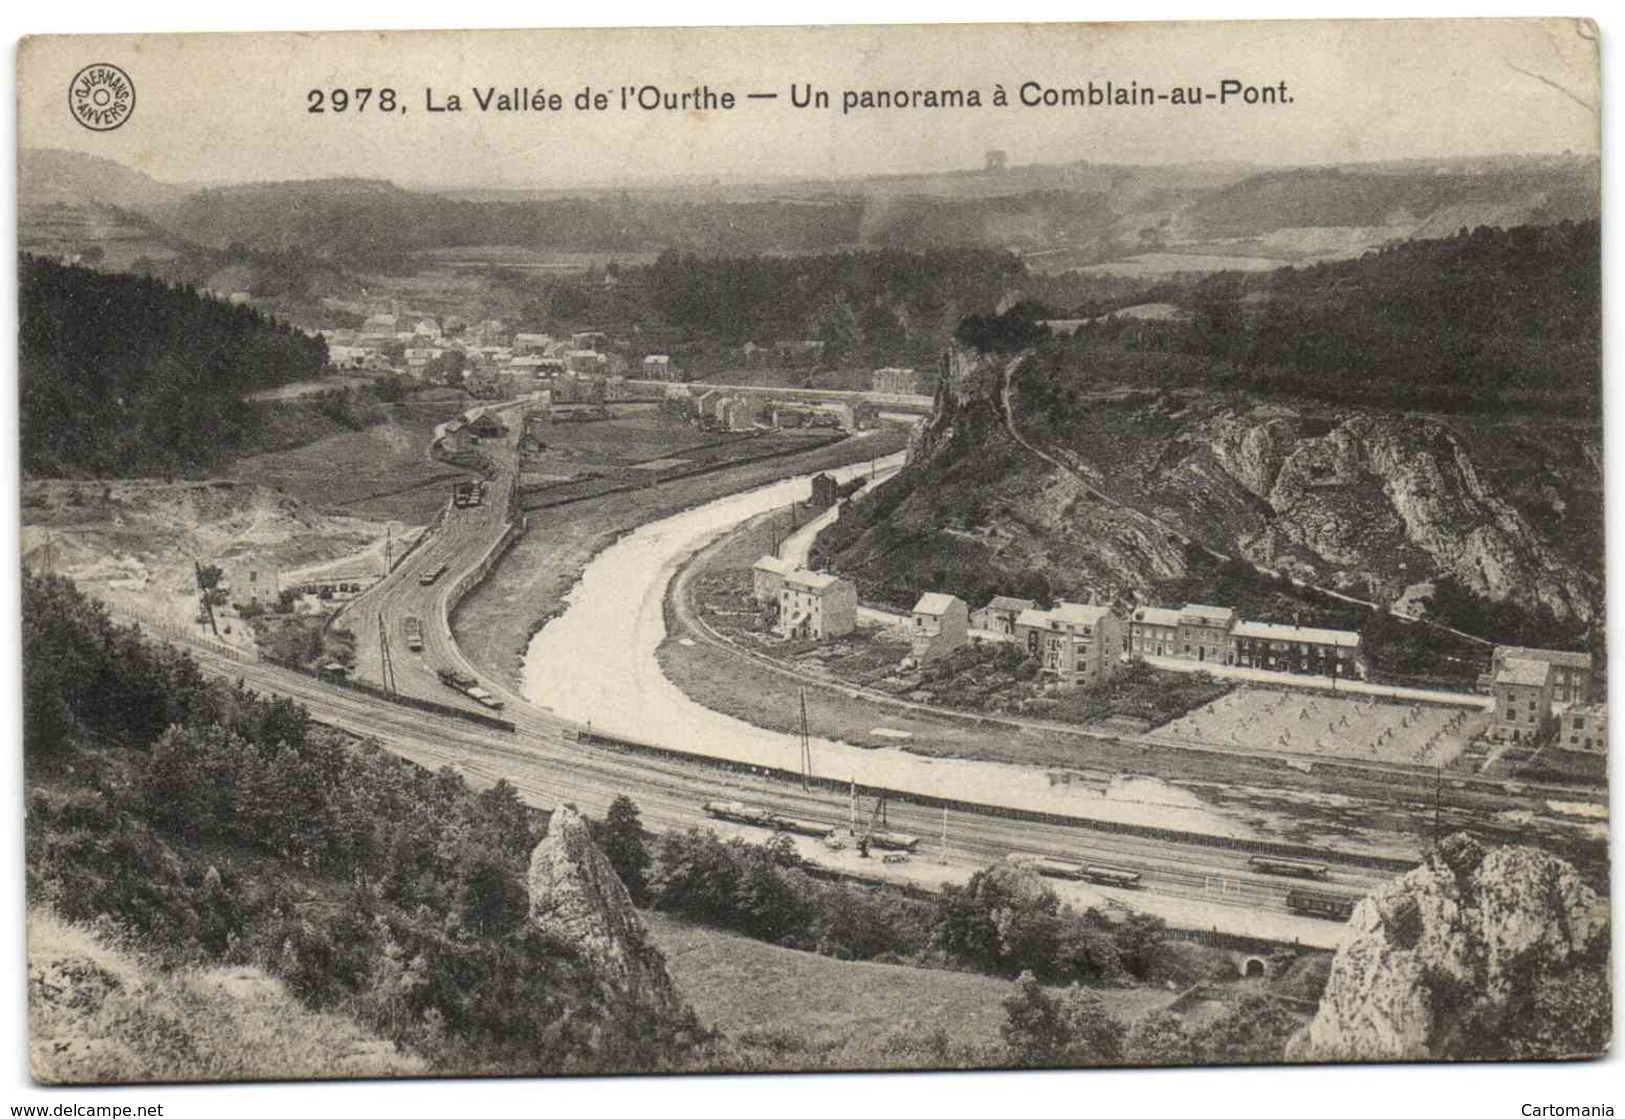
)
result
[(1074, 642), (814, 606)]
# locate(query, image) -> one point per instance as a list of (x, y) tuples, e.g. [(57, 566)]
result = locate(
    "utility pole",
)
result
[(806, 747), (945, 835), (388, 669), (389, 551), (852, 808), (1438, 797)]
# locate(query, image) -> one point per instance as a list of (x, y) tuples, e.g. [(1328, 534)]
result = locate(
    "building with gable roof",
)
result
[(814, 606), (940, 624), (1153, 631), (1523, 698), (1074, 642), (1000, 614)]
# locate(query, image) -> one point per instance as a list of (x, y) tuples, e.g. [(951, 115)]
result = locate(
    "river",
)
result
[(595, 663)]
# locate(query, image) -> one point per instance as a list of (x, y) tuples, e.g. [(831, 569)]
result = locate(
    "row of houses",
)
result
[(738, 410)]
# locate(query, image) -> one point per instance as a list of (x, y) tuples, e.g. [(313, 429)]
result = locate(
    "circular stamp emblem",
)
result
[(101, 97)]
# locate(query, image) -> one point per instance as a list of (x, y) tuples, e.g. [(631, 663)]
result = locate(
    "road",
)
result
[(461, 541)]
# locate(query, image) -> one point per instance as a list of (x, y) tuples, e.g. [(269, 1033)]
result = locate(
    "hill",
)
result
[(99, 1014), (1160, 454), (122, 375), (1147, 219)]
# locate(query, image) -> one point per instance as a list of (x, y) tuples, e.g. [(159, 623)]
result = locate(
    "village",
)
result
[(1282, 688)]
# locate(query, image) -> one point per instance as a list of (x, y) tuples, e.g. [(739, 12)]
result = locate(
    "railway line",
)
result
[(548, 764), (547, 768)]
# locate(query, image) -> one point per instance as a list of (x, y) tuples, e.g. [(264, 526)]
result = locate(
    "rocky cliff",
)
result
[(1374, 504), (1473, 955), (577, 899)]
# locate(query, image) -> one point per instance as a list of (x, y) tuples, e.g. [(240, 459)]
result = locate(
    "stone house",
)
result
[(1523, 699), (767, 578), (1000, 614), (1075, 643), (1153, 632), (1301, 650), (940, 624), (814, 606)]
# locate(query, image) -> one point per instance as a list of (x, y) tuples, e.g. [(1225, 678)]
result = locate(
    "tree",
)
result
[(621, 840), (1034, 1029), (1159, 1038), (1254, 1031), (1004, 920), (1094, 1037)]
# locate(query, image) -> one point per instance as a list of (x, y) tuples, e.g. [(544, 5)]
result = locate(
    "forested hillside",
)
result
[(125, 375), (209, 825), (1485, 321), (882, 306)]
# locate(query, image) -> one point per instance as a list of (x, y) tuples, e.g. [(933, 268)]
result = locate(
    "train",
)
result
[(1313, 903), (414, 634), (1297, 868), (1099, 873), (432, 574), (738, 813), (469, 687)]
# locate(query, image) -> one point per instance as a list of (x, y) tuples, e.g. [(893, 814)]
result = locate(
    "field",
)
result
[(1363, 729), (383, 471), (789, 1008)]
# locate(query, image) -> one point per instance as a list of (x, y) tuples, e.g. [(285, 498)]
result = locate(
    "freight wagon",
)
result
[(414, 634), (1313, 903), (1300, 868), (1077, 872)]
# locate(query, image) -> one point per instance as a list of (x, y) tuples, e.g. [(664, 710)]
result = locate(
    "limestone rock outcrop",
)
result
[(576, 898), (1475, 954)]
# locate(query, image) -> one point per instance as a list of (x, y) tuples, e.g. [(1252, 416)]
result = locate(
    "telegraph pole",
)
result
[(806, 747), (388, 668), (1438, 797)]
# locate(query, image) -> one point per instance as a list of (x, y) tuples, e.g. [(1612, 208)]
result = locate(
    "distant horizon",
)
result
[(697, 180)]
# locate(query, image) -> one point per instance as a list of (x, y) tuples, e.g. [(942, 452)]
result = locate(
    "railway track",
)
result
[(549, 769)]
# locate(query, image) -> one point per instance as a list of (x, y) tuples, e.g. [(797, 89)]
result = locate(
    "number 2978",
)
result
[(355, 100)]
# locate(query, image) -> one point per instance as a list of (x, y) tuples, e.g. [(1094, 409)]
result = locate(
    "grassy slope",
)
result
[(787, 1007), (383, 471), (99, 1015)]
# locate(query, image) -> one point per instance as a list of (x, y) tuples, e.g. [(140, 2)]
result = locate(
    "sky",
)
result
[(234, 108)]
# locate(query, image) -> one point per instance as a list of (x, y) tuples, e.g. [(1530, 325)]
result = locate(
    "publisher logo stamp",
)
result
[(101, 97)]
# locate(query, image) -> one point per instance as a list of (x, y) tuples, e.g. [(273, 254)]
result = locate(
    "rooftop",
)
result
[(1524, 672), (1067, 613), (934, 603), (773, 564), (1157, 616), (811, 580), (1562, 657), (1196, 610), (1270, 631), (1005, 602)]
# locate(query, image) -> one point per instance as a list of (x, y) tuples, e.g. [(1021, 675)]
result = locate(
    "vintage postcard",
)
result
[(823, 548)]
